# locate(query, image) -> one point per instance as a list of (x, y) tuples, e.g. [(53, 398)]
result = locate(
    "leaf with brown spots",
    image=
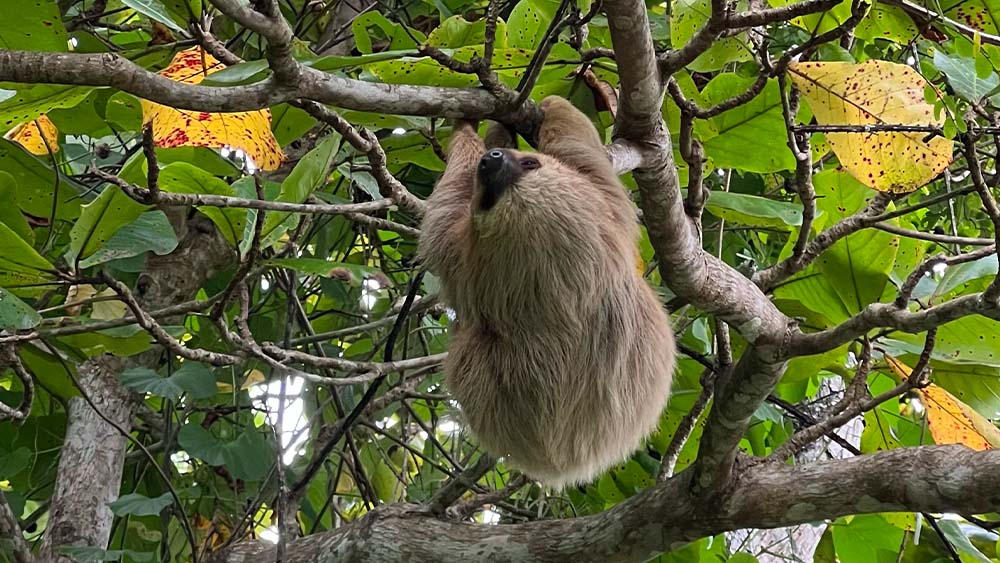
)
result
[(39, 136), (249, 131), (949, 420), (876, 93)]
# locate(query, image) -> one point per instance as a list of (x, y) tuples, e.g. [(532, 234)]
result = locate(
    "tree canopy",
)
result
[(217, 342)]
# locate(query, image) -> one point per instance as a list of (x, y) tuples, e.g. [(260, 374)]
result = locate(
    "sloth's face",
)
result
[(499, 170)]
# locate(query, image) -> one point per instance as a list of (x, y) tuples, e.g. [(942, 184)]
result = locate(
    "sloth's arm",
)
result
[(568, 135), (450, 206)]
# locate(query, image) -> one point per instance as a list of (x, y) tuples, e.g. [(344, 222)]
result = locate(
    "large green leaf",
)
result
[(139, 505), (192, 378), (100, 220), (35, 181), (249, 457), (16, 314), (689, 16), (181, 177), (154, 10), (11, 215), (21, 267), (309, 174), (866, 538), (32, 27), (151, 232), (750, 137), (857, 266), (755, 211), (32, 101), (457, 31)]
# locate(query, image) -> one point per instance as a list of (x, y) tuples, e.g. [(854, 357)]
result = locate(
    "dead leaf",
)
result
[(876, 93), (949, 420), (605, 95), (77, 295), (249, 131), (37, 136)]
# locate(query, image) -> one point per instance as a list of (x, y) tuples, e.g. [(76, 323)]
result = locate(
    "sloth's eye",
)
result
[(530, 163)]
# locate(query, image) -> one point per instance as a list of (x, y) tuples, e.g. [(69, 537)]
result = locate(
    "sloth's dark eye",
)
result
[(530, 163)]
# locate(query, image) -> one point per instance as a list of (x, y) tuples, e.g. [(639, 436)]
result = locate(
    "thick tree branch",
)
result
[(938, 479)]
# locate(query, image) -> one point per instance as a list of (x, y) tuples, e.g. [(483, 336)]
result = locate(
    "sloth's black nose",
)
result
[(491, 162)]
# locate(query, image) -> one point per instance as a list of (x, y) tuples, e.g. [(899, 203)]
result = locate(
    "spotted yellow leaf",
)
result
[(249, 131), (39, 136), (949, 420), (876, 93)]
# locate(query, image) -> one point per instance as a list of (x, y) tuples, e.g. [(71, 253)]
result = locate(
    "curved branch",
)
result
[(934, 479)]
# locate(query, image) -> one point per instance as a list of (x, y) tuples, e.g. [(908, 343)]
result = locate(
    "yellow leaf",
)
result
[(249, 131), (876, 93), (77, 295), (953, 422), (949, 420), (253, 377), (108, 310), (39, 136)]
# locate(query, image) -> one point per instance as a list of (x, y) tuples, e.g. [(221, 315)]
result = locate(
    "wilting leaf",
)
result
[(249, 131), (39, 136), (949, 420), (876, 93)]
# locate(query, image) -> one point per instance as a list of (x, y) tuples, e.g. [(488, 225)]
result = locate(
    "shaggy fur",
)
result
[(562, 356)]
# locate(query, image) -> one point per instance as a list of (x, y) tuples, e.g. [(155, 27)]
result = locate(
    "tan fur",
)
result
[(562, 356)]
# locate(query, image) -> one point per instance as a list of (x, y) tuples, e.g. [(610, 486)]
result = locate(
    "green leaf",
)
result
[(857, 266), (961, 74), (154, 10), (10, 215), (249, 457), (192, 378), (866, 538), (20, 265), (509, 64), (36, 28), (139, 505), (200, 443), (754, 210), (35, 181), (309, 174), (181, 177), (32, 101), (750, 137), (527, 23), (398, 37), (151, 232), (195, 379), (457, 31), (145, 380), (887, 22), (250, 72), (100, 220), (958, 538), (16, 314), (689, 16)]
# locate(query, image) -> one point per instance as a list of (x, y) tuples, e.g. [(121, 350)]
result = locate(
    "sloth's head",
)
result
[(500, 171), (512, 184)]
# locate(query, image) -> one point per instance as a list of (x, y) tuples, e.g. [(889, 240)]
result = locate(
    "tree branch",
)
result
[(938, 479)]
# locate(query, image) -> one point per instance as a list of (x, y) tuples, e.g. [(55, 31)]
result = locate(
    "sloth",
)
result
[(561, 356)]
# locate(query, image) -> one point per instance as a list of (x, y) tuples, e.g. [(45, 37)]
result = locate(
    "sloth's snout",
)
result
[(496, 173), (492, 162)]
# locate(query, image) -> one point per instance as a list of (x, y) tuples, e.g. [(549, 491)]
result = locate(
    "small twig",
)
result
[(9, 358), (455, 488), (463, 510), (10, 530), (345, 424)]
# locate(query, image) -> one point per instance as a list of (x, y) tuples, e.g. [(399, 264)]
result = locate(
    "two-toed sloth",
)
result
[(562, 355)]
